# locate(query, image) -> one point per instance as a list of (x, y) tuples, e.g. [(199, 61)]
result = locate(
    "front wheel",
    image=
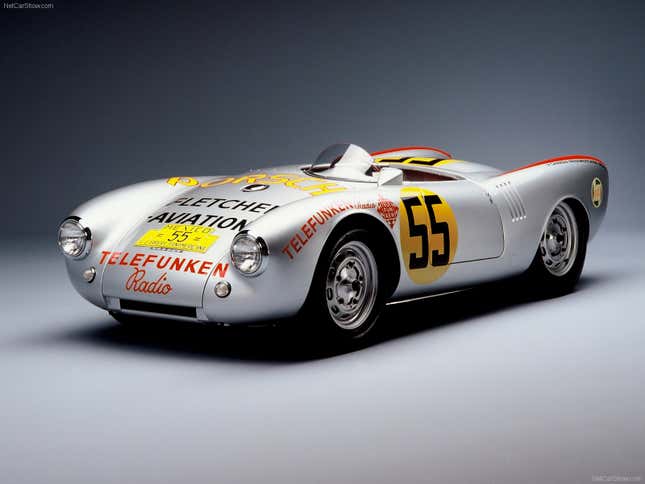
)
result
[(558, 263), (347, 293)]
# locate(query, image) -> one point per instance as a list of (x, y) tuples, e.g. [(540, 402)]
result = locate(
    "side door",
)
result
[(442, 226)]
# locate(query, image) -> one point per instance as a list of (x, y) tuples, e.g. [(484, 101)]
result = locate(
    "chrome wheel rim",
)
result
[(351, 285), (559, 243)]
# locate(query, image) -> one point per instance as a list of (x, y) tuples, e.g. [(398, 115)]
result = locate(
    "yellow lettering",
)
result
[(182, 180), (249, 178), (325, 188), (214, 183), (287, 179), (277, 179), (292, 183)]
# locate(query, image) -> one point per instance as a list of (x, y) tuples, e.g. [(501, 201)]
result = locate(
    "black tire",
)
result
[(543, 276), (317, 310)]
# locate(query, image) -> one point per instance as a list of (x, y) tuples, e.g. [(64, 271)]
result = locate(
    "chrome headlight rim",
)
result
[(87, 244), (263, 252)]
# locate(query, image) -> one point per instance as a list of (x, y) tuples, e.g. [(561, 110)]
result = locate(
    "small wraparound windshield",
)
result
[(344, 161)]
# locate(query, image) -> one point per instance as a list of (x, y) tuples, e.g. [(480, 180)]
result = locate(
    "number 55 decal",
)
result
[(428, 232)]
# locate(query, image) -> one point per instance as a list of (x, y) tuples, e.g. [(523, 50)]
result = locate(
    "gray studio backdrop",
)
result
[(480, 387), (98, 96)]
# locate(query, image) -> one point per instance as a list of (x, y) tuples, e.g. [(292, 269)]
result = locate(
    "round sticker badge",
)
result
[(428, 234), (596, 192)]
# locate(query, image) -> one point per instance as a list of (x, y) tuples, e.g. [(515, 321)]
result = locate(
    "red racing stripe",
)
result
[(560, 158), (391, 150)]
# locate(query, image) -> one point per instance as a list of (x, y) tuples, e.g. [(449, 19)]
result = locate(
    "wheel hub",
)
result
[(559, 243), (351, 285)]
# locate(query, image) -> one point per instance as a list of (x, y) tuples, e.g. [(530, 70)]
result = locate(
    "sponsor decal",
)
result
[(416, 160), (191, 238), (225, 204), (388, 210), (137, 283), (596, 192), (220, 270), (169, 263), (385, 208), (428, 234), (204, 220), (182, 180), (313, 186)]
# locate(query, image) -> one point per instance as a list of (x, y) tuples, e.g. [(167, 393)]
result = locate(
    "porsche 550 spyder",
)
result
[(333, 240)]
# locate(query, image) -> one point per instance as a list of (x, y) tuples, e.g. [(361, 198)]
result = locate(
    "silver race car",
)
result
[(332, 241)]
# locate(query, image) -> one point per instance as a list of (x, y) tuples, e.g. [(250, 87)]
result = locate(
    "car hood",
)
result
[(168, 257)]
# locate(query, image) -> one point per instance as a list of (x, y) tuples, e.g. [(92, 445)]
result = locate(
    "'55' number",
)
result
[(442, 258), (178, 236)]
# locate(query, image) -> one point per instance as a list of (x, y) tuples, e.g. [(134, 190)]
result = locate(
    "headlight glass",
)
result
[(246, 254), (73, 238)]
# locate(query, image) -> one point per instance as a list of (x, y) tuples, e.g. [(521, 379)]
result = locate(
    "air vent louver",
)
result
[(513, 201)]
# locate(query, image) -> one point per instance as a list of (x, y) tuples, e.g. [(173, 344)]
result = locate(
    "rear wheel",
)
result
[(560, 257), (348, 291)]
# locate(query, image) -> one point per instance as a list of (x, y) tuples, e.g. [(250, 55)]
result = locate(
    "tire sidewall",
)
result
[(550, 284), (315, 309)]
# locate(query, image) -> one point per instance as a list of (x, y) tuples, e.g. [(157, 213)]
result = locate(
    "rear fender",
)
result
[(528, 195)]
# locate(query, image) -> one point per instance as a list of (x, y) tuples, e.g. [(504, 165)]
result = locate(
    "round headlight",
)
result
[(74, 240), (247, 253)]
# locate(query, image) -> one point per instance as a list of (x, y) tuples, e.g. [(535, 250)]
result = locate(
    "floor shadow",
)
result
[(283, 343)]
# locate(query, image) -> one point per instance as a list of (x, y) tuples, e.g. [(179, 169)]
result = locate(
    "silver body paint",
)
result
[(500, 218)]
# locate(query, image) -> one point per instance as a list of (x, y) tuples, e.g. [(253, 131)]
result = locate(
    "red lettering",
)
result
[(176, 264), (190, 267), (302, 241), (104, 254), (307, 231), (220, 269), (294, 243), (149, 258), (123, 261), (311, 223), (137, 283), (134, 278), (204, 267), (159, 262), (136, 260), (285, 250), (113, 258)]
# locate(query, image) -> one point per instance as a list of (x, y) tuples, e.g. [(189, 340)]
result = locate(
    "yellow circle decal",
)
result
[(428, 232), (596, 192)]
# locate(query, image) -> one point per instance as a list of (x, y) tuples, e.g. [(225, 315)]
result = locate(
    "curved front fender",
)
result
[(295, 235), (109, 217)]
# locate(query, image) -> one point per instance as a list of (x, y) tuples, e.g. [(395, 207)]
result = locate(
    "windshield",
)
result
[(344, 161)]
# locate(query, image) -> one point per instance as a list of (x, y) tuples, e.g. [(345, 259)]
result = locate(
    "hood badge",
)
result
[(255, 187)]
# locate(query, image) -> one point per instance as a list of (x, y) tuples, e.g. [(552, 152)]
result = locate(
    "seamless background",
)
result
[(96, 96), (486, 386)]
